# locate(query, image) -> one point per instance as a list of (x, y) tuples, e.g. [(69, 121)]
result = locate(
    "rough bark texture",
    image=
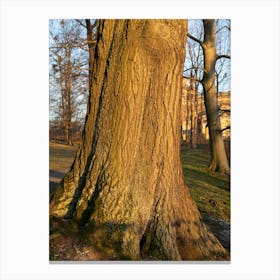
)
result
[(126, 189), (219, 160)]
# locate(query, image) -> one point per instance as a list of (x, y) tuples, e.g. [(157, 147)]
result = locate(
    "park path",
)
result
[(220, 228), (55, 176), (60, 160)]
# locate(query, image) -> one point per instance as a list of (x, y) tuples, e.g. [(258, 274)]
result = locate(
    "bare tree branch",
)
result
[(226, 128), (81, 23), (197, 80), (227, 27), (195, 39), (79, 45), (223, 56), (194, 67), (224, 110)]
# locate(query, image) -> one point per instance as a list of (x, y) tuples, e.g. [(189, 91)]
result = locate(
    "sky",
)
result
[(223, 42)]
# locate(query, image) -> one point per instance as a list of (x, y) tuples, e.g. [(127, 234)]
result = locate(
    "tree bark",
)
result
[(126, 190), (219, 160)]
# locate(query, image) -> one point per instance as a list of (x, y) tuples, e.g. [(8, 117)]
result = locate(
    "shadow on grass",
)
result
[(205, 177), (56, 174), (211, 191), (54, 178)]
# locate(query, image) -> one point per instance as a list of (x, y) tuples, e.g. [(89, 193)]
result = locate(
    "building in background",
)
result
[(194, 119)]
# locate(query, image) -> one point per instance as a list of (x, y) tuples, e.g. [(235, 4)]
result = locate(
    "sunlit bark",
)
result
[(219, 160)]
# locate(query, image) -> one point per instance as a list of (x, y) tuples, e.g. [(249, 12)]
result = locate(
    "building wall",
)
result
[(194, 113)]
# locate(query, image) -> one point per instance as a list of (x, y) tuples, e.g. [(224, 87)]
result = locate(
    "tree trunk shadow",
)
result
[(220, 228), (54, 179)]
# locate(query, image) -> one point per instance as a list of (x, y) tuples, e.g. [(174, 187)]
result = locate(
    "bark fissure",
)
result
[(100, 183), (134, 192), (90, 162)]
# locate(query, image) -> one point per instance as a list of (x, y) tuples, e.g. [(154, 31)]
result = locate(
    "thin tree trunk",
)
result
[(91, 47), (126, 190), (184, 111), (219, 160), (63, 93), (193, 113), (68, 104)]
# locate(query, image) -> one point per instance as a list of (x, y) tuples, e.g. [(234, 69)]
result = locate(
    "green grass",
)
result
[(210, 191), (61, 156)]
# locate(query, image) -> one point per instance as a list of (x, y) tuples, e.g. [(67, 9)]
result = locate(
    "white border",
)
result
[(24, 138)]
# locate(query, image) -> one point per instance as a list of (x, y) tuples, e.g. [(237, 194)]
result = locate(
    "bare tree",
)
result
[(219, 160), (91, 31), (195, 56), (126, 190), (68, 74), (222, 69), (193, 72)]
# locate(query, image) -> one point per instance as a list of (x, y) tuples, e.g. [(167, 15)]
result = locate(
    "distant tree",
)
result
[(222, 69), (91, 31), (91, 40), (125, 190), (219, 161), (194, 74), (68, 74), (192, 71)]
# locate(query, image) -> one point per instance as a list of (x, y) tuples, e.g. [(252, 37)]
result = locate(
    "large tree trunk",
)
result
[(219, 160), (126, 189)]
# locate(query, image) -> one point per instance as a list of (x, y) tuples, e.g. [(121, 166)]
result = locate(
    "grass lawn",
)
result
[(61, 156), (210, 191)]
